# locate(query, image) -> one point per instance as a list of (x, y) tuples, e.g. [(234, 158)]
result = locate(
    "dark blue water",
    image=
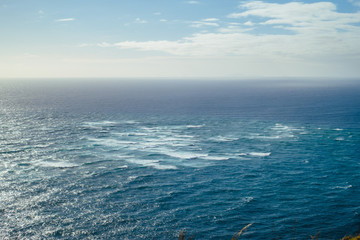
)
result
[(121, 159)]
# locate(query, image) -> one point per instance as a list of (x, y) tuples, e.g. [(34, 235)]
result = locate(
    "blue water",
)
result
[(121, 159)]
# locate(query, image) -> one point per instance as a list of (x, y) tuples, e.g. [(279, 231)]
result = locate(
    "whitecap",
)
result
[(343, 187), (137, 134), (339, 139), (285, 131), (247, 199), (99, 124), (131, 178), (280, 126), (260, 154), (57, 164), (216, 158), (142, 161), (110, 142), (223, 139), (170, 139), (186, 136), (338, 129), (154, 144), (152, 163), (184, 155), (195, 126), (164, 167), (256, 136), (129, 134), (149, 144), (129, 122)]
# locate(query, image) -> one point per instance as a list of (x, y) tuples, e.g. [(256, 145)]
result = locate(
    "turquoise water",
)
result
[(140, 160)]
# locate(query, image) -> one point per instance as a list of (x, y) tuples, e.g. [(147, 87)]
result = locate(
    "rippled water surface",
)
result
[(106, 160)]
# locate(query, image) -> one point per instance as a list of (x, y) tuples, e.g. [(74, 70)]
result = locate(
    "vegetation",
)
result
[(351, 237), (237, 236)]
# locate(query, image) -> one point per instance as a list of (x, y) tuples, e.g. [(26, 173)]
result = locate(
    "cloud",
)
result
[(65, 20), (317, 34), (298, 16), (210, 19), (139, 20), (355, 2), (209, 22), (192, 2), (81, 45), (249, 23)]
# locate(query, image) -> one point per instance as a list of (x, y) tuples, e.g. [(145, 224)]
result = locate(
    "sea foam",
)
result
[(260, 154)]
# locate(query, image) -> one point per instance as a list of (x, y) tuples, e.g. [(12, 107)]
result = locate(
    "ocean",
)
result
[(147, 159)]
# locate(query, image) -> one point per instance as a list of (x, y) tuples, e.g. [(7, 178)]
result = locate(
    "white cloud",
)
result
[(355, 2), (104, 44), (139, 20), (65, 20), (209, 22), (246, 44), (81, 45), (321, 41), (298, 16), (192, 2), (249, 23), (319, 31)]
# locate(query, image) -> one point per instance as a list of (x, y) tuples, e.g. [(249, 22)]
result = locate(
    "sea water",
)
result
[(137, 159)]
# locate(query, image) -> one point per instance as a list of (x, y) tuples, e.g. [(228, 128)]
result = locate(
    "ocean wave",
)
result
[(258, 136), (284, 131), (223, 139), (57, 164), (171, 138), (216, 158), (247, 199), (123, 167), (110, 142), (282, 127), (158, 129), (131, 178), (260, 154), (195, 126), (99, 124), (130, 134), (155, 143), (129, 122), (151, 163), (343, 187), (183, 155), (110, 123)]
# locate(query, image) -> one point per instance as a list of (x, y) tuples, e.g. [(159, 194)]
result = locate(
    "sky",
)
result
[(179, 38)]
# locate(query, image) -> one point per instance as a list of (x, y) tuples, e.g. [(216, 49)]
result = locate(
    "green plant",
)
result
[(237, 236)]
